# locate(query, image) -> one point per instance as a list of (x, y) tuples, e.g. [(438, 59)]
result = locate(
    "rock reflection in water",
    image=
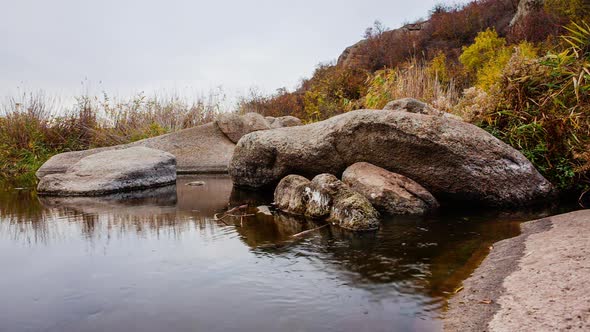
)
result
[(158, 260)]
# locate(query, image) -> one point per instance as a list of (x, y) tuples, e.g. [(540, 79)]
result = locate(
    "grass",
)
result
[(34, 127)]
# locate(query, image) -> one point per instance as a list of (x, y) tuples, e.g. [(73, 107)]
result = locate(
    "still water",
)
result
[(159, 261)]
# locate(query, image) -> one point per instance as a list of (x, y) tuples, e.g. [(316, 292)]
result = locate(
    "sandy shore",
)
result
[(538, 281)]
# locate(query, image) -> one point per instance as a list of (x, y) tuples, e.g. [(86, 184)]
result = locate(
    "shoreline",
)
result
[(535, 281)]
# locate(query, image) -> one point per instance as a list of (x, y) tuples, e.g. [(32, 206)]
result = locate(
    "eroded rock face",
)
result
[(452, 159), (234, 126), (111, 172), (415, 106), (389, 192), (326, 197)]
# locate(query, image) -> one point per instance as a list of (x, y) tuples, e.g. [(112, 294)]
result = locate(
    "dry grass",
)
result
[(33, 126), (415, 79)]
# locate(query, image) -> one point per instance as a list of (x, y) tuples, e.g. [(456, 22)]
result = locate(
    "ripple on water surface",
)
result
[(160, 261)]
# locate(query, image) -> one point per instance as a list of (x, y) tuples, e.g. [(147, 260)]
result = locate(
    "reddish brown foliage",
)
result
[(281, 103)]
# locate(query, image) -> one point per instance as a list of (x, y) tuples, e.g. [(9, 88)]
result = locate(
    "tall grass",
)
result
[(33, 126), (416, 79)]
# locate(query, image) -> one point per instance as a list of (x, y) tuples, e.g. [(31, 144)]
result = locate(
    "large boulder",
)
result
[(111, 172), (415, 106), (326, 197), (201, 149), (451, 159), (389, 192), (234, 126)]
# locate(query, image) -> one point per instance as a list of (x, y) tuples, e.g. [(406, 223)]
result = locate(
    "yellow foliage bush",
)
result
[(488, 55)]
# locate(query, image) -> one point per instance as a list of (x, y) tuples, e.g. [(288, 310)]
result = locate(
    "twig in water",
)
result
[(228, 213), (308, 231)]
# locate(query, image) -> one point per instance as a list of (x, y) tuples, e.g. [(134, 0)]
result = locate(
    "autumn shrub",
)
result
[(452, 26), (543, 109), (332, 90), (537, 27), (281, 103), (386, 49), (486, 58)]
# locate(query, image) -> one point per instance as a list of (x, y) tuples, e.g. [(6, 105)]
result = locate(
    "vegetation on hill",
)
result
[(527, 83)]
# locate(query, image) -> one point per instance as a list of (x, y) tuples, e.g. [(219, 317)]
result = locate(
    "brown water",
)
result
[(160, 262)]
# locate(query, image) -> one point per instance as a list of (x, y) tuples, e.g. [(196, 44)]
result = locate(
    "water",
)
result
[(160, 262)]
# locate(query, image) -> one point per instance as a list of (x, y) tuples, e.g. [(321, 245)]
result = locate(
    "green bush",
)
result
[(543, 109)]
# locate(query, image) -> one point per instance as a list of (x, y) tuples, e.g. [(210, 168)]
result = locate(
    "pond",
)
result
[(159, 261)]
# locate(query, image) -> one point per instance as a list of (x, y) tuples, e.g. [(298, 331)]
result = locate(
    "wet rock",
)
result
[(291, 194), (264, 210), (111, 172), (234, 126), (453, 160), (415, 106), (389, 192), (326, 197)]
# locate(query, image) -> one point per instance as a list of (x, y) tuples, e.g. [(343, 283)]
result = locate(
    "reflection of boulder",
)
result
[(276, 231), (147, 202), (240, 196), (111, 172)]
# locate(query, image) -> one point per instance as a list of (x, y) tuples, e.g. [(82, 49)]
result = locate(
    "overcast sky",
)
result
[(125, 46)]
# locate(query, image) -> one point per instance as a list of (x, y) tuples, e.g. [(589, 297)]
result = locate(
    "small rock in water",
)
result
[(263, 209), (196, 183)]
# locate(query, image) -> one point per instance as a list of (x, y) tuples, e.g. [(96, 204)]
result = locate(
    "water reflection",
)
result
[(166, 242)]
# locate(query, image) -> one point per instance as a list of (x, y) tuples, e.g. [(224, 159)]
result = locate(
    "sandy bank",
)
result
[(538, 281)]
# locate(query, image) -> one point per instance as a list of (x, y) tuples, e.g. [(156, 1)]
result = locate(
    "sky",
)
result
[(122, 47)]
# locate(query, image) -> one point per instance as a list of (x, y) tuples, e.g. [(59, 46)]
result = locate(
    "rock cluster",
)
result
[(326, 197), (452, 159)]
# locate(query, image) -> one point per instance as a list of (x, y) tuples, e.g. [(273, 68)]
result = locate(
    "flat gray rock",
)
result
[(111, 172), (202, 149), (453, 160)]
